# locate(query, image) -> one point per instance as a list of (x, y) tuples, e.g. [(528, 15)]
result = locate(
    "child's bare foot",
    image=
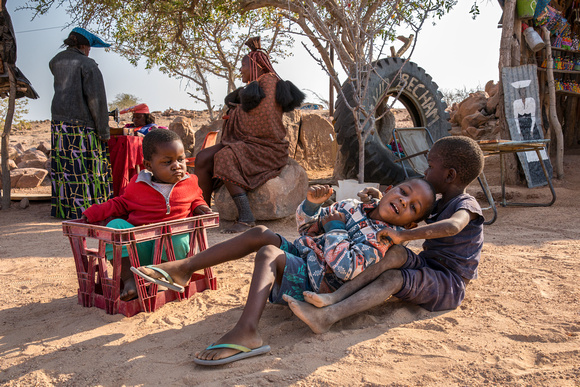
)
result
[(314, 317), (129, 289), (240, 336), (176, 270), (319, 300)]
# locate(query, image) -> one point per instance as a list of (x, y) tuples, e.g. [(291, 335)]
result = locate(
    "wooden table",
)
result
[(501, 147)]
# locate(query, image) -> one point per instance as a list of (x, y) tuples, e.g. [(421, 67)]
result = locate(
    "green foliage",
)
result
[(451, 96), (191, 40), (20, 110), (123, 101)]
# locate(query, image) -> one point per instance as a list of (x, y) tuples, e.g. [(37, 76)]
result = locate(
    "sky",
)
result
[(458, 52)]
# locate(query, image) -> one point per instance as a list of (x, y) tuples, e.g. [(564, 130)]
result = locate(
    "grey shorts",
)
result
[(429, 284)]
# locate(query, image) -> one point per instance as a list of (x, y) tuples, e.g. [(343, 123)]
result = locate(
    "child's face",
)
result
[(436, 174), (168, 162), (406, 203)]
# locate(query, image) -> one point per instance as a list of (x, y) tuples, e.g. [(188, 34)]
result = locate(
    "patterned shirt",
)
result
[(339, 255)]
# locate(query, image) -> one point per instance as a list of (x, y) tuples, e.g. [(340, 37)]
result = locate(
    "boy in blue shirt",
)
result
[(435, 278)]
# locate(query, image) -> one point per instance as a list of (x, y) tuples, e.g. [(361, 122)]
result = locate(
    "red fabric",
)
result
[(142, 204), (126, 155), (141, 108)]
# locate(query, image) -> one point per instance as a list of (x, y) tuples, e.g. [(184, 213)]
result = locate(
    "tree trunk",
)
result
[(553, 116), (6, 185), (505, 60)]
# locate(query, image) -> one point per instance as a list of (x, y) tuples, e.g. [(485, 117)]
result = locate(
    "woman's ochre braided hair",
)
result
[(259, 59)]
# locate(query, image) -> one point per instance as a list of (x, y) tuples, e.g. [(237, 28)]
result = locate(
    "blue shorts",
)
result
[(429, 284), (295, 278)]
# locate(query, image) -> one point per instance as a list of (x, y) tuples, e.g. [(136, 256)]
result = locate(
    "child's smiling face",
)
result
[(405, 203), (168, 162)]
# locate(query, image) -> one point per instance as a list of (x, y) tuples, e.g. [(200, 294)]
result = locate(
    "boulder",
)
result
[(291, 121), (11, 164), (476, 120), (184, 128), (32, 158), (24, 203), (15, 153), (474, 103), (475, 133), (492, 103), (316, 145), (44, 147), (491, 88), (213, 126), (277, 198), (26, 177)]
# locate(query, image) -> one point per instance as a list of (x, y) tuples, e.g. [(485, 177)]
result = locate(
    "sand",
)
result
[(519, 324)]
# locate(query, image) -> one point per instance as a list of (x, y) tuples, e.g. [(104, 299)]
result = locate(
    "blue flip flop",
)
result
[(245, 353), (167, 282)]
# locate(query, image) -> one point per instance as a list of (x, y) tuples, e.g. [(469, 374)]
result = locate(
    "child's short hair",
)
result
[(155, 137), (429, 209), (462, 154)]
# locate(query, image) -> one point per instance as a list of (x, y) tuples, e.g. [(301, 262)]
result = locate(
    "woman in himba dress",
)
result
[(80, 169), (252, 148)]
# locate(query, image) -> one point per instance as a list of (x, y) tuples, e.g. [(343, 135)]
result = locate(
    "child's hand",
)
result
[(389, 235), (369, 193), (334, 215), (202, 209), (318, 194)]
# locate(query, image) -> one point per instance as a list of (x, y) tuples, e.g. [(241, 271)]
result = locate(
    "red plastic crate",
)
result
[(97, 288)]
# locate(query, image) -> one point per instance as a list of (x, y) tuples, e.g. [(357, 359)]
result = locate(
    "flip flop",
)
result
[(245, 353), (167, 282)]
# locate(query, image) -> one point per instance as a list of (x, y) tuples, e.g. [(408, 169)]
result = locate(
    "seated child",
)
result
[(319, 261), (163, 191), (437, 277)]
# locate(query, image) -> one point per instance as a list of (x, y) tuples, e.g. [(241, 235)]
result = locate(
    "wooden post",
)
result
[(6, 185), (505, 60), (553, 116)]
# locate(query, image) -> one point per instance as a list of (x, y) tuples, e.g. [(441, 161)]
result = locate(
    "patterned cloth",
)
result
[(255, 149), (80, 170), (339, 255)]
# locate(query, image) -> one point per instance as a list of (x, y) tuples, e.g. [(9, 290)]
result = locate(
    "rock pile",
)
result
[(28, 168), (477, 115)]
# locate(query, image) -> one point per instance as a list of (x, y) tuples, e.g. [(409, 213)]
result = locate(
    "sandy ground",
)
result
[(518, 326)]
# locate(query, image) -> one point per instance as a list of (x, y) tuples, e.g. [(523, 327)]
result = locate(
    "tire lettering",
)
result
[(414, 91), (435, 119), (422, 97), (411, 84), (403, 80)]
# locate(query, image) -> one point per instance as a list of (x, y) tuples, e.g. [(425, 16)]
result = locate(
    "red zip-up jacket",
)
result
[(142, 204)]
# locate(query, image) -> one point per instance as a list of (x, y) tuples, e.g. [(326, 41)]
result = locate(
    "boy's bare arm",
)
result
[(441, 229)]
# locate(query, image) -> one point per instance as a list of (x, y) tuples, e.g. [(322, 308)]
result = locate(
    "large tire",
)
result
[(420, 97)]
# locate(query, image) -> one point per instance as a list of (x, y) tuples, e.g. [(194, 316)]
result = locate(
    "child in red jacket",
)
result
[(162, 192)]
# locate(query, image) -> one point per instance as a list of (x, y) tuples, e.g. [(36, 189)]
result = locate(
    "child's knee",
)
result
[(395, 257), (268, 254), (262, 235)]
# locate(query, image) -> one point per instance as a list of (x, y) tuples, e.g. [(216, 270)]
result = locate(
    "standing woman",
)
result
[(253, 148), (80, 169)]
